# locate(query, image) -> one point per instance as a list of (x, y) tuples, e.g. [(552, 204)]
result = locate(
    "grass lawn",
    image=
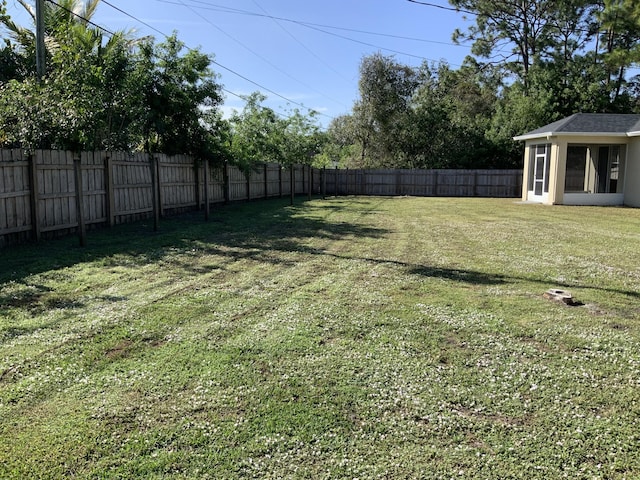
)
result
[(342, 338)]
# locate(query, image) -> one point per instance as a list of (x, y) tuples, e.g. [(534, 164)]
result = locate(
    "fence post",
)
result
[(154, 191), (206, 190), (310, 181), (280, 181), (435, 183), (108, 187), (77, 169), (198, 195), (33, 180), (159, 184), (292, 175), (323, 182), (227, 183), (475, 184), (266, 180)]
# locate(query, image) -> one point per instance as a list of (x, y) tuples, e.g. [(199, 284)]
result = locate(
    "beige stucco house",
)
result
[(584, 159)]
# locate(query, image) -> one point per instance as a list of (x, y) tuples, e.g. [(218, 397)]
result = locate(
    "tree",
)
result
[(256, 137), (259, 135), (517, 112), (70, 17), (452, 112), (620, 40), (386, 89), (339, 147), (522, 27), (84, 101), (176, 90), (301, 138)]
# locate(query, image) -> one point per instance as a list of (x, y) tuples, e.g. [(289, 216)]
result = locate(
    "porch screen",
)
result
[(539, 156), (610, 168), (576, 165), (594, 169)]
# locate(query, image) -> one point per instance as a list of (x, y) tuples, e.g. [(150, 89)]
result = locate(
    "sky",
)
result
[(302, 54)]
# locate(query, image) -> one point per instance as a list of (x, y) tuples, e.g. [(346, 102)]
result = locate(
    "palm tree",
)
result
[(85, 101), (67, 22)]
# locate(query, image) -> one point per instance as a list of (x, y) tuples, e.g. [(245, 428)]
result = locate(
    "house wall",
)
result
[(558, 164), (632, 174), (557, 171), (525, 172)]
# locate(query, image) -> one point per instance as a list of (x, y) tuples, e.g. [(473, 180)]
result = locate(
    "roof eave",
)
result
[(548, 135)]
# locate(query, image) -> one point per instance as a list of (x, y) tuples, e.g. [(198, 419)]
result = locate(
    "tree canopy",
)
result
[(103, 90), (532, 62)]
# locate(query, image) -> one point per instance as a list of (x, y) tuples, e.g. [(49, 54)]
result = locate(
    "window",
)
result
[(609, 169), (574, 179), (594, 169), (616, 165)]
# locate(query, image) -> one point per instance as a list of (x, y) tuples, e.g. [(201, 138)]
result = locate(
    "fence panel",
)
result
[(257, 187), (237, 184), (416, 182), (216, 185), (419, 182), (286, 181), (56, 190), (380, 182), (300, 179), (95, 196), (15, 188), (273, 181), (177, 182), (499, 183), (455, 183), (117, 187), (132, 187)]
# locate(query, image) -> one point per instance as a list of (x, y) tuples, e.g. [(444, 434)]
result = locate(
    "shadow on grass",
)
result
[(481, 278), (238, 231), (458, 275), (254, 231)]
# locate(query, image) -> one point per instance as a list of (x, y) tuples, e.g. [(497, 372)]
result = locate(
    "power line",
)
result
[(312, 26), (134, 18), (217, 63), (299, 42), (100, 27), (269, 90), (442, 7), (256, 54), (244, 98), (223, 9), (455, 9), (376, 46)]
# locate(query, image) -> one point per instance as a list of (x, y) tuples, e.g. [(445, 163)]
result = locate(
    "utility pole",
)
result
[(41, 55)]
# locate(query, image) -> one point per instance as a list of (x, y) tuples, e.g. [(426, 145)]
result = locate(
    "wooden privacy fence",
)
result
[(52, 192), (426, 183)]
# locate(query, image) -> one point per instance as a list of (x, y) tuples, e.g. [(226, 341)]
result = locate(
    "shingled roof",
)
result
[(618, 124)]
